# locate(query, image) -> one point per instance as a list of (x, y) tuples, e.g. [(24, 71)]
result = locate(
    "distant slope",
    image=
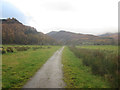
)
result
[(115, 36), (69, 38), (14, 32), (112, 35)]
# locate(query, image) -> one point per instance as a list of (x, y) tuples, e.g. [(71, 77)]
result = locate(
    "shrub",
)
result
[(35, 48), (48, 47), (10, 49), (4, 51), (101, 62), (22, 48)]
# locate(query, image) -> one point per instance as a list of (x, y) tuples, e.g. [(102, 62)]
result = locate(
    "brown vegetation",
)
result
[(102, 63), (14, 32), (69, 38)]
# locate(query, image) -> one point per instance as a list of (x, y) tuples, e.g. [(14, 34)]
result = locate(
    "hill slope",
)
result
[(69, 38), (14, 32), (112, 35)]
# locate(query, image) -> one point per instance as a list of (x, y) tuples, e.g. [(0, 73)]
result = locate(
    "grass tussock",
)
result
[(77, 75), (101, 62), (22, 48), (11, 49)]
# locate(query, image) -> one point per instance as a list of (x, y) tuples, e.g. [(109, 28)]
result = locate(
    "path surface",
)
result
[(50, 75)]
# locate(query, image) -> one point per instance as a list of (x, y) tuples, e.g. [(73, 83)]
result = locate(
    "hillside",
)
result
[(69, 38), (14, 32), (112, 35)]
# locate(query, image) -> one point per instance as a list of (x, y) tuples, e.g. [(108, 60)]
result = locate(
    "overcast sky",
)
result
[(80, 16)]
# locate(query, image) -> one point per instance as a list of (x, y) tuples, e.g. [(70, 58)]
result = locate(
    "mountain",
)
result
[(14, 32), (70, 38), (115, 36), (112, 35)]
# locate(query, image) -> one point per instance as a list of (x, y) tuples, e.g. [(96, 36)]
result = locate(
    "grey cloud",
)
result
[(58, 6)]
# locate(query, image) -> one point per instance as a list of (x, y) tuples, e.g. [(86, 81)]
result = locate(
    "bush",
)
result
[(48, 47), (3, 50), (10, 49), (35, 48), (101, 62), (22, 48)]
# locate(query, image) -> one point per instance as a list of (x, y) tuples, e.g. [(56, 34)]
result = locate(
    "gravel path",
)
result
[(50, 75)]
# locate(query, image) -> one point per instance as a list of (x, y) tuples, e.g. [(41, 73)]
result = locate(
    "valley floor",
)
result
[(77, 75), (50, 75), (20, 67)]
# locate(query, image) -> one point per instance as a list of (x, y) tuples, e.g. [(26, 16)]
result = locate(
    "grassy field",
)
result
[(77, 75), (102, 47), (103, 61), (19, 66)]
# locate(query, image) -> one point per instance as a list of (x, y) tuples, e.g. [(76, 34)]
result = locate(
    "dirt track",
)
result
[(50, 75)]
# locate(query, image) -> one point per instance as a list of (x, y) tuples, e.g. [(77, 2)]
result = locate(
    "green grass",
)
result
[(18, 67), (102, 62), (111, 48), (77, 75)]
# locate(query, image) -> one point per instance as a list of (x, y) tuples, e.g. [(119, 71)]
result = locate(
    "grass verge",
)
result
[(102, 62), (77, 75), (18, 67)]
